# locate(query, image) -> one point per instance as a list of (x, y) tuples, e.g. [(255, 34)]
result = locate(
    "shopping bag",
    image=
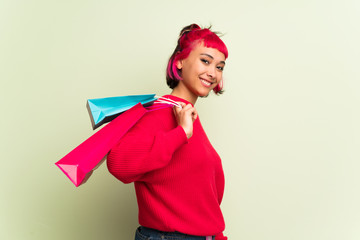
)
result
[(103, 110), (79, 164)]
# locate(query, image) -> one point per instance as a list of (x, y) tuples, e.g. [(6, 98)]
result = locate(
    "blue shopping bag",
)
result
[(103, 110)]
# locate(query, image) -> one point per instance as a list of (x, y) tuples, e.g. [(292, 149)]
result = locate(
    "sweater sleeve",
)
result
[(144, 148)]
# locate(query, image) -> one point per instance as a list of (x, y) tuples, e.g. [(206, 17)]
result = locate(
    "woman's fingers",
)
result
[(194, 115), (177, 109), (185, 117), (182, 104), (187, 109)]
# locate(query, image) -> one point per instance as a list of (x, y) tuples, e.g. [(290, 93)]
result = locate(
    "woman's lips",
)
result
[(205, 82)]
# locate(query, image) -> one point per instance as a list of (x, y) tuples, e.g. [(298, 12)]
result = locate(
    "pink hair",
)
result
[(189, 37)]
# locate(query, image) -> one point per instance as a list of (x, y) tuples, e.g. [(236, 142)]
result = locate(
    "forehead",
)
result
[(200, 49)]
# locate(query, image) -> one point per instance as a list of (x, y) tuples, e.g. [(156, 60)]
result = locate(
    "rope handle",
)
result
[(162, 100)]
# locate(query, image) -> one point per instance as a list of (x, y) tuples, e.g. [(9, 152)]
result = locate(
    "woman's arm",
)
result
[(143, 149), (150, 144)]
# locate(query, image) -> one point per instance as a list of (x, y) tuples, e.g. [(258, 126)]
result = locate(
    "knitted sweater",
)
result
[(179, 182)]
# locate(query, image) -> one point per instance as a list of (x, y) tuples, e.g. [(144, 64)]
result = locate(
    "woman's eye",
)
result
[(205, 61), (220, 68)]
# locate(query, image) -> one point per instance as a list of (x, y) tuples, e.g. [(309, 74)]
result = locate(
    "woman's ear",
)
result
[(179, 64)]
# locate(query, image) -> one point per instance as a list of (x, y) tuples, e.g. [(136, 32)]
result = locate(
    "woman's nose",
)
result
[(211, 73)]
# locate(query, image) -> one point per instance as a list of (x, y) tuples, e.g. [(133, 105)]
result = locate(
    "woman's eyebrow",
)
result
[(223, 62), (207, 55)]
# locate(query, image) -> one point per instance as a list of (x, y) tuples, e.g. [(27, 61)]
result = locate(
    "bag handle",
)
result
[(162, 102)]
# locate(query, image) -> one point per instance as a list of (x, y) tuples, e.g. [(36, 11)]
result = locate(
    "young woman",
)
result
[(178, 175)]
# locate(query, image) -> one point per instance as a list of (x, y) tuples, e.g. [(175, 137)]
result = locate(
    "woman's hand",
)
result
[(185, 117)]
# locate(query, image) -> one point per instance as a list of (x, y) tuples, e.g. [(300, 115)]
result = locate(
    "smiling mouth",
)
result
[(205, 83)]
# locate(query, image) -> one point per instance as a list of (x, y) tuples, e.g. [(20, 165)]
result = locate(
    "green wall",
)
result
[(287, 127)]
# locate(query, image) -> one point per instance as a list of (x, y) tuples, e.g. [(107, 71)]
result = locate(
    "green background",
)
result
[(287, 127)]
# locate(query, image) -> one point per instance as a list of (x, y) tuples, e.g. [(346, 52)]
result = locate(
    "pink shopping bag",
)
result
[(79, 164)]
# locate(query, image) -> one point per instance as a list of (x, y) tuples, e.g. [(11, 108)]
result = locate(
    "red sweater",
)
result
[(179, 182)]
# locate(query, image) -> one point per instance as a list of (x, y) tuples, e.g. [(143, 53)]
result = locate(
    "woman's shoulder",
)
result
[(159, 118)]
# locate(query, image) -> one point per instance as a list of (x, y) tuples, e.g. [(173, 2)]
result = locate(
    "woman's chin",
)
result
[(204, 94)]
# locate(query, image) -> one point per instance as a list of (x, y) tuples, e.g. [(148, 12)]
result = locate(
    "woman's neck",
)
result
[(178, 91)]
